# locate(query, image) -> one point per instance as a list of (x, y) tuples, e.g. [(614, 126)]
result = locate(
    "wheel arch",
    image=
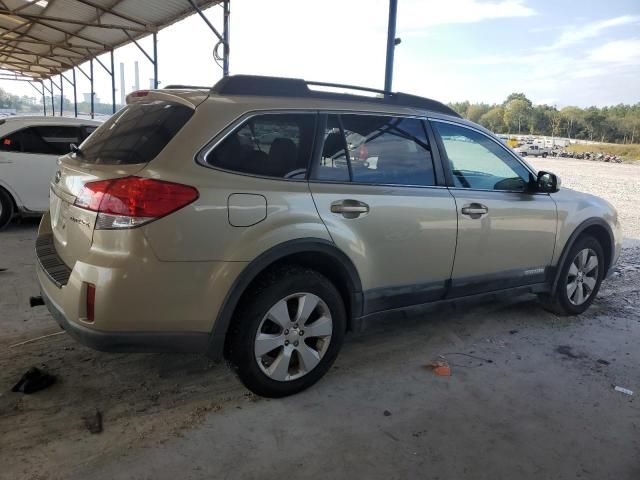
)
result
[(598, 228), (317, 254)]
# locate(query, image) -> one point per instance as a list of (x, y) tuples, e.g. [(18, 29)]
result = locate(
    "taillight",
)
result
[(91, 301), (132, 201)]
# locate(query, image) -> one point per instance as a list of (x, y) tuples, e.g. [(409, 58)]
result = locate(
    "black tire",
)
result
[(544, 155), (558, 301), (274, 286), (6, 209)]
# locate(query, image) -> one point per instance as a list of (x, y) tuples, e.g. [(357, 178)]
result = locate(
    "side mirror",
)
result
[(547, 182)]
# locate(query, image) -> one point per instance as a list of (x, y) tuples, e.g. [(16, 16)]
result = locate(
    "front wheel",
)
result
[(6, 209), (289, 332), (580, 278)]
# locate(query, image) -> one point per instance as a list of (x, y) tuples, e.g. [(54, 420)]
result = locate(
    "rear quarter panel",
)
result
[(202, 231)]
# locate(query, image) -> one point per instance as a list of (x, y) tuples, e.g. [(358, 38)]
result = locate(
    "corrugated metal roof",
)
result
[(41, 38)]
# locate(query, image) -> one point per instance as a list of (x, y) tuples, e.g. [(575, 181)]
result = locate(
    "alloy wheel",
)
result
[(582, 276), (293, 336)]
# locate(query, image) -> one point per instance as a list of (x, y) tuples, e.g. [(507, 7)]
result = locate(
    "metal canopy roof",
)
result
[(42, 38)]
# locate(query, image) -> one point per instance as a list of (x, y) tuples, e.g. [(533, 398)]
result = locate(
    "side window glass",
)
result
[(11, 143), (388, 150), (478, 162), (273, 145), (47, 140), (333, 158), (57, 138), (32, 142)]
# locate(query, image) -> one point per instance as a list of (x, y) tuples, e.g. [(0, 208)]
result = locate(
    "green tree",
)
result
[(571, 116), (460, 107), (476, 111), (518, 96), (493, 120), (516, 114)]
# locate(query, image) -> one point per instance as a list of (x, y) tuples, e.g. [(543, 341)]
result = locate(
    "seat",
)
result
[(283, 157), (332, 145)]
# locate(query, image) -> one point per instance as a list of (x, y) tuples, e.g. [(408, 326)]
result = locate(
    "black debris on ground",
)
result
[(33, 381), (93, 421), (567, 351)]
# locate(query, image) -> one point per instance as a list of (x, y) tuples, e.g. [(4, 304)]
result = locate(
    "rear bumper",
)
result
[(185, 342), (141, 304)]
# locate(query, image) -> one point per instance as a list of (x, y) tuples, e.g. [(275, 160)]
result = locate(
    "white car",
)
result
[(29, 149)]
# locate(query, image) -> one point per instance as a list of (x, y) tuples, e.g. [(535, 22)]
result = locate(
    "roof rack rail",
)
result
[(295, 87), (185, 87)]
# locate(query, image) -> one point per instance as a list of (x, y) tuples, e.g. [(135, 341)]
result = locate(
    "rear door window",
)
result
[(45, 139), (376, 149), (271, 145), (135, 134)]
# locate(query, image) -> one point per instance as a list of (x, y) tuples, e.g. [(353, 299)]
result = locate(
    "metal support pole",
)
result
[(75, 96), (91, 80), (61, 96), (391, 44), (113, 85), (44, 100), (225, 38), (155, 60), (53, 107)]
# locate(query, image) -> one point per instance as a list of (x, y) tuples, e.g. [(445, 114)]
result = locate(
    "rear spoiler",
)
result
[(188, 97)]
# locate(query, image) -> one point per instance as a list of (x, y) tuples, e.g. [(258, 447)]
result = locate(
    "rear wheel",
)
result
[(579, 280), (6, 209), (544, 155), (289, 332)]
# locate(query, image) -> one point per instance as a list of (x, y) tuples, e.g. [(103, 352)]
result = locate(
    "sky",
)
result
[(558, 52)]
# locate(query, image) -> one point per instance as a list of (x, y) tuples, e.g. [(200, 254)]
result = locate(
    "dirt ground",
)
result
[(536, 401)]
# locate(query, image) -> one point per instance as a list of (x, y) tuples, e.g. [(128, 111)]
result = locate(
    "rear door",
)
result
[(506, 233), (377, 189)]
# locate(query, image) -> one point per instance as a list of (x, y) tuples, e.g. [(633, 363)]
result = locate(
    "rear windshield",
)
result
[(135, 134)]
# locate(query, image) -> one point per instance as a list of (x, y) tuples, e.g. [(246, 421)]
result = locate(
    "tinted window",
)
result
[(333, 159), (479, 162), (135, 134), (11, 143), (86, 131), (273, 145), (48, 140), (379, 149)]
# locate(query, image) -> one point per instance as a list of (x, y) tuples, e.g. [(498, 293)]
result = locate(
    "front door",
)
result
[(375, 187), (506, 233)]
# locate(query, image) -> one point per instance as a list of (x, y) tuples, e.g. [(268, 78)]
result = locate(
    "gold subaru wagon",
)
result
[(261, 219)]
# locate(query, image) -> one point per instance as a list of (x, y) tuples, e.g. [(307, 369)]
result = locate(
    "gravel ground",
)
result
[(537, 402)]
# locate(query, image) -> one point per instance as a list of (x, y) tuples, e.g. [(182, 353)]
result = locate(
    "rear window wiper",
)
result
[(76, 149)]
